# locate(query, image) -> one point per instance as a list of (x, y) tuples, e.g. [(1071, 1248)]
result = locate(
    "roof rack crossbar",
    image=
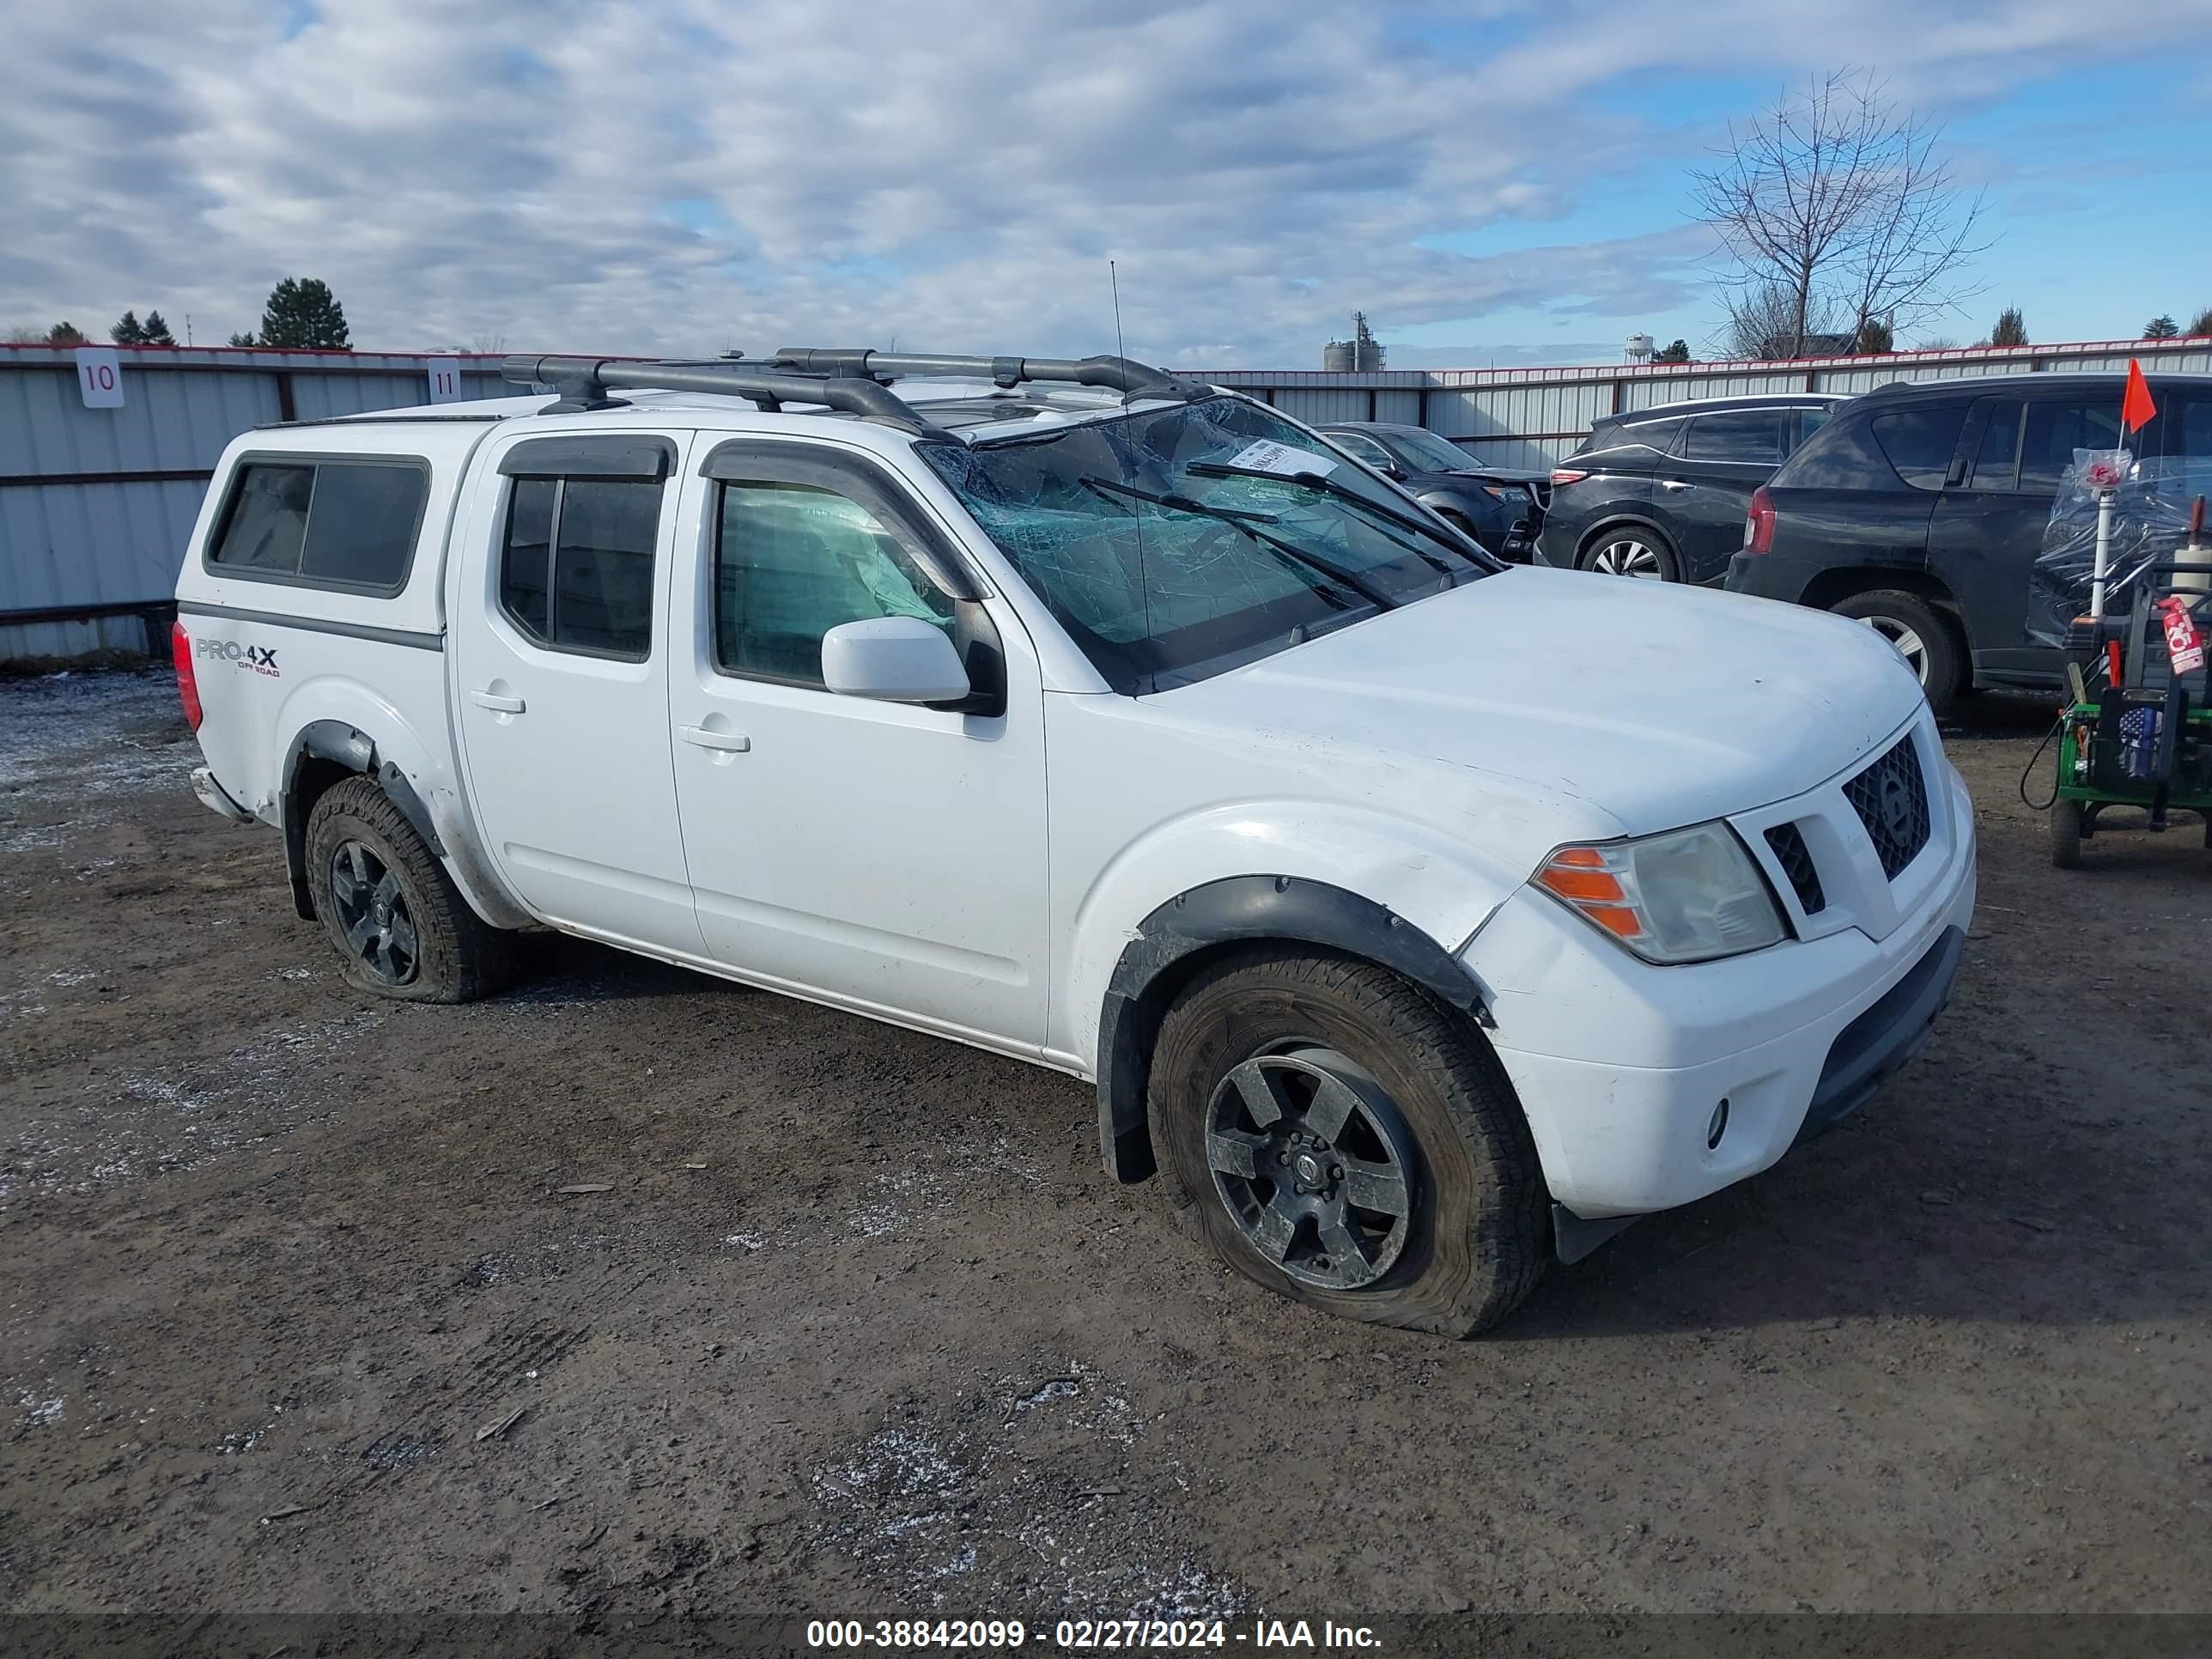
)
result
[(1120, 374), (584, 383)]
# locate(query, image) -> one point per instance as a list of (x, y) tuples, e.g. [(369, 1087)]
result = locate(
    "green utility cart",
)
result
[(2133, 734)]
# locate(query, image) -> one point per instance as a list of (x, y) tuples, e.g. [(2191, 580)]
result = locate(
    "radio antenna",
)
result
[(1136, 507)]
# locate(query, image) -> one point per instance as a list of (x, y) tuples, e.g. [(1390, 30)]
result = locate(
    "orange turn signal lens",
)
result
[(1588, 880), (1583, 884), (1614, 919)]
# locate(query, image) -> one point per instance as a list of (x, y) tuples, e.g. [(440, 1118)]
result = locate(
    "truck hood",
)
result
[(1651, 706)]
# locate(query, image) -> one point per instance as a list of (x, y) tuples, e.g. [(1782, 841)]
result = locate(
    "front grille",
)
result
[(1789, 845), (1891, 798)]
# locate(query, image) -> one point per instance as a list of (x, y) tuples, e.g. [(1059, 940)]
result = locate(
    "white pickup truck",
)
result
[(1424, 917)]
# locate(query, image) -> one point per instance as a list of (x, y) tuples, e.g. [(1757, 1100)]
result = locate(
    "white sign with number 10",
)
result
[(100, 377)]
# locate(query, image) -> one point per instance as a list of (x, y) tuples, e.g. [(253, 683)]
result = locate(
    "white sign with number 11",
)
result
[(100, 377), (445, 380)]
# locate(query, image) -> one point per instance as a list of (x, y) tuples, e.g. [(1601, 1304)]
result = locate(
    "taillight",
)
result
[(1759, 523), (188, 689), (1566, 475)]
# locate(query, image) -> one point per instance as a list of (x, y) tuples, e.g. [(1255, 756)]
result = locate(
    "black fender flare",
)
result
[(1239, 908), (356, 750)]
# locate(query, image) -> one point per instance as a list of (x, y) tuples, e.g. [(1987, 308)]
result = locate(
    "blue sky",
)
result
[(1491, 180)]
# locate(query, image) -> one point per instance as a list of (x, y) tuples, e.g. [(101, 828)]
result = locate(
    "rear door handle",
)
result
[(497, 704), (730, 742), (1672, 483)]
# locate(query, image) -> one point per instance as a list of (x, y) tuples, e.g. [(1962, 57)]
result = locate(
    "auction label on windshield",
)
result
[(1269, 456)]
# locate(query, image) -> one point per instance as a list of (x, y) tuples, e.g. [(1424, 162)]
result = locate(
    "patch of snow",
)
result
[(38, 1410)]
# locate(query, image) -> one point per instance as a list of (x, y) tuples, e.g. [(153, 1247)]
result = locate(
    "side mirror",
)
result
[(893, 659)]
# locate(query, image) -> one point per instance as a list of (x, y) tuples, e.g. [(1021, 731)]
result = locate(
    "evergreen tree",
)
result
[(1875, 335), (1677, 353), (128, 331), (155, 331), (303, 314), (244, 339), (2161, 327), (2011, 329), (65, 334)]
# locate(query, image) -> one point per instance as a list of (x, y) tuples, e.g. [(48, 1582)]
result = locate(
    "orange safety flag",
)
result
[(2136, 408)]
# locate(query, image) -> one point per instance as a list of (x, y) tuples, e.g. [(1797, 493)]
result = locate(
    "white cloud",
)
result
[(690, 176)]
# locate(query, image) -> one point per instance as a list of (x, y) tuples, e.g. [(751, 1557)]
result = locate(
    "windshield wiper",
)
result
[(1238, 519), (1329, 486)]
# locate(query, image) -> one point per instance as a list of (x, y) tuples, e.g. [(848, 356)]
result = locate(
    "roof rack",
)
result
[(585, 382), (1121, 374), (849, 380)]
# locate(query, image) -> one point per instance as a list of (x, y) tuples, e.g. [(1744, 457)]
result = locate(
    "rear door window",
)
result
[(2057, 427), (1997, 458), (1810, 421), (347, 524), (1920, 442), (576, 558), (1746, 437), (1628, 443)]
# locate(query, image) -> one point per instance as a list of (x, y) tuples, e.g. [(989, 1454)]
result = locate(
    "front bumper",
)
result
[(1621, 1067)]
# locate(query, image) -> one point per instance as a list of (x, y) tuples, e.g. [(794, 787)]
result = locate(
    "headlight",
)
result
[(1688, 896)]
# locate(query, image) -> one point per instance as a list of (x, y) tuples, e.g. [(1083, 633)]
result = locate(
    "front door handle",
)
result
[(730, 742), (1672, 483), (496, 704)]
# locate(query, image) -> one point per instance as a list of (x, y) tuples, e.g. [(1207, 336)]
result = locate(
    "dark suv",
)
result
[(1661, 492), (1499, 507), (1920, 509)]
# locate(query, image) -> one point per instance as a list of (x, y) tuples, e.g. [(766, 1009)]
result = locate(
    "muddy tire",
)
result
[(401, 928), (2066, 833), (1346, 1141)]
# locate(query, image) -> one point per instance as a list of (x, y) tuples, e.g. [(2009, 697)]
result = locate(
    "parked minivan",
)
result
[(1920, 509), (1661, 492)]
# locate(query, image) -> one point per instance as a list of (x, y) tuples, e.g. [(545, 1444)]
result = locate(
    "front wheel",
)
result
[(1347, 1141), (2066, 833)]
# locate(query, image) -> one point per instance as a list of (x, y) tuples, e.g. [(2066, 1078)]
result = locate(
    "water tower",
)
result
[(1637, 349)]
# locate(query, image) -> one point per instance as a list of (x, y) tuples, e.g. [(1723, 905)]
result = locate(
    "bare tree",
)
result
[(1843, 203), (2201, 324), (489, 343), (1770, 319)]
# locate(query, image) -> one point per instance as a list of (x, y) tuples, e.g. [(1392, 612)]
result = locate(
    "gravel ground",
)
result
[(295, 1317)]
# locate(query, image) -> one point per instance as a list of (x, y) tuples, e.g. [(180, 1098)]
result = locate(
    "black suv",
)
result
[(1661, 492), (1500, 507), (1920, 508)]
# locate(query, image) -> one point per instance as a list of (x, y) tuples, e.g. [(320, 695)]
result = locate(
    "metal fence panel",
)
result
[(97, 504)]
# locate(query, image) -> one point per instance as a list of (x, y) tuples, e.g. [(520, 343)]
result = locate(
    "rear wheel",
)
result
[(401, 928), (1923, 636), (1631, 550), (1348, 1142)]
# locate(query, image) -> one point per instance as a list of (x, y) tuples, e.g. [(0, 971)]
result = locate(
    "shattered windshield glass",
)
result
[(1167, 563)]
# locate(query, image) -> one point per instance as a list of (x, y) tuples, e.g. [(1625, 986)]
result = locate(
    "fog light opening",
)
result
[(1718, 1127)]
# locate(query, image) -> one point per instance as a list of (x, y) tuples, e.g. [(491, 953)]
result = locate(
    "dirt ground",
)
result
[(295, 1317)]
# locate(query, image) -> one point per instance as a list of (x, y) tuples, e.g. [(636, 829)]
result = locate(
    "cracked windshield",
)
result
[(1179, 543)]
